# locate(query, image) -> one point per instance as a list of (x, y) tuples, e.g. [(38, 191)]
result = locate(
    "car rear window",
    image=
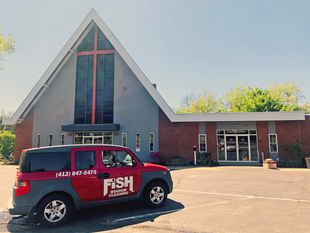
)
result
[(45, 162)]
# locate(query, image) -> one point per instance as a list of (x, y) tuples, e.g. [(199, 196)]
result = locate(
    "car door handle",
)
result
[(103, 175)]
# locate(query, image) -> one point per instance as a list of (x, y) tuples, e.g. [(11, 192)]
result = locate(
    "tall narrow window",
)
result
[(50, 139), (202, 143), (94, 98), (138, 142), (38, 140), (124, 139), (62, 139), (151, 142), (273, 145)]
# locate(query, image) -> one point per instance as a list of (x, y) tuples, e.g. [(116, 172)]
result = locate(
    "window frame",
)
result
[(94, 104), (270, 143), (124, 135), (205, 141), (50, 139), (38, 140), (138, 144), (150, 141), (62, 139), (104, 136)]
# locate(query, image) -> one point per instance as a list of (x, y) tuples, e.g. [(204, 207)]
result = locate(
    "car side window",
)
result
[(45, 162), (85, 159), (116, 159)]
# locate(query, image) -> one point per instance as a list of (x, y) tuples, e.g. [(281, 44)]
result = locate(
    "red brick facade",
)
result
[(23, 137), (305, 135), (287, 133), (262, 139), (176, 139)]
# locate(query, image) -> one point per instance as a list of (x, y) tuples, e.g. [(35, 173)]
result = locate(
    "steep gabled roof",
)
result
[(93, 18)]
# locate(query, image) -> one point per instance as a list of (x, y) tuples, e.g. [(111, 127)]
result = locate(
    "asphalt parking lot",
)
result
[(205, 199)]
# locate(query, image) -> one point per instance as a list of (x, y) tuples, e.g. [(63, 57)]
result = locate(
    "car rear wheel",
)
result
[(54, 211), (155, 194)]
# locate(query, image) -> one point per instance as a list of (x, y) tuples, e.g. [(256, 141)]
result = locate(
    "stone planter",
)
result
[(308, 162)]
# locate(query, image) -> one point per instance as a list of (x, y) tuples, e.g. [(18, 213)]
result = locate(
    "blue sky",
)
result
[(183, 46)]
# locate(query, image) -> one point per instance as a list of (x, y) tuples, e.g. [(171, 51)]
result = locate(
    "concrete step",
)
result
[(241, 163)]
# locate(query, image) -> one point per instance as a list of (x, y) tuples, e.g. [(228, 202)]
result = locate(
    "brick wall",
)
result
[(262, 139), (23, 137), (188, 138), (287, 133), (176, 139), (305, 135), (168, 133)]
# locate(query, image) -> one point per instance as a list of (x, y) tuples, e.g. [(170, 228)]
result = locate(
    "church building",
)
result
[(94, 93)]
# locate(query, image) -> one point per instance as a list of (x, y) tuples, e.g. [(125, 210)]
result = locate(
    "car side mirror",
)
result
[(134, 163)]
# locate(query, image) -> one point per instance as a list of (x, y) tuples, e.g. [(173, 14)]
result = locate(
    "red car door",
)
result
[(120, 173), (85, 168)]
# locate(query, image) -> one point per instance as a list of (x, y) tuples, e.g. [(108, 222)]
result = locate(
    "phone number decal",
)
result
[(76, 173), (85, 172), (63, 174)]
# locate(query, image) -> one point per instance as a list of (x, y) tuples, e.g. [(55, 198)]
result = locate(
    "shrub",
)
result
[(7, 141), (155, 157), (294, 163), (294, 150), (204, 158), (178, 161)]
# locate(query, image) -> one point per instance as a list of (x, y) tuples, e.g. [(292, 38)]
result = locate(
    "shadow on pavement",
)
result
[(101, 218)]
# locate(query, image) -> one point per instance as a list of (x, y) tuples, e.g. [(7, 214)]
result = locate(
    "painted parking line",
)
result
[(205, 168), (243, 196), (145, 215), (294, 169)]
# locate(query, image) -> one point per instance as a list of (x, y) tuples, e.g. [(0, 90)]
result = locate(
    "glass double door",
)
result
[(237, 148)]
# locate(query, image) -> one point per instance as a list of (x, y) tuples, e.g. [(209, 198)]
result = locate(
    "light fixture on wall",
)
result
[(236, 125), (125, 86)]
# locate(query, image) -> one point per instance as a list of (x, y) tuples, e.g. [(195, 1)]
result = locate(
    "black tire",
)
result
[(155, 194), (54, 210)]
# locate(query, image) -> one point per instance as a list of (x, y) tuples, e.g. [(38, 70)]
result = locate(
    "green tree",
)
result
[(305, 108), (7, 45), (289, 93), (277, 97), (7, 141), (252, 99), (10, 128), (204, 103)]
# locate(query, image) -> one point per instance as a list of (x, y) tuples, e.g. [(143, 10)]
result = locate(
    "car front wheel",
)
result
[(155, 194), (54, 211)]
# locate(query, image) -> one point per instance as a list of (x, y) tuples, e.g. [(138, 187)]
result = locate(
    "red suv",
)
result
[(53, 181)]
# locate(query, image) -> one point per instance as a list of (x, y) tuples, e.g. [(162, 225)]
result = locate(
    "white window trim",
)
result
[(150, 141), (64, 135), (93, 137), (138, 149), (48, 139), (205, 142), (124, 134), (38, 135), (275, 143)]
